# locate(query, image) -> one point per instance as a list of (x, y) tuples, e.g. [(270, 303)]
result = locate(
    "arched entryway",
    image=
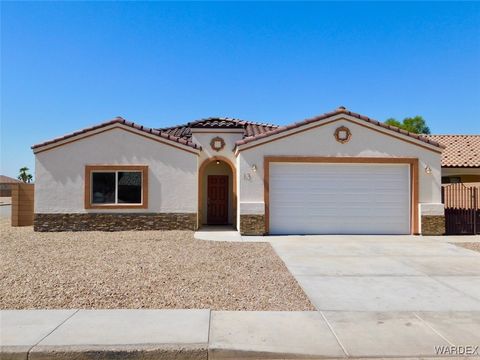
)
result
[(217, 192)]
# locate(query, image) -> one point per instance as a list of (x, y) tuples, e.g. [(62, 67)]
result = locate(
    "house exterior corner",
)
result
[(62, 201)]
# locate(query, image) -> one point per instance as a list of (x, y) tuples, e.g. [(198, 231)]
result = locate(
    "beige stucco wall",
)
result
[(203, 138), (59, 172), (320, 141)]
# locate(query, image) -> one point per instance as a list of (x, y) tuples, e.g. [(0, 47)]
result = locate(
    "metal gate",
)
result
[(462, 209)]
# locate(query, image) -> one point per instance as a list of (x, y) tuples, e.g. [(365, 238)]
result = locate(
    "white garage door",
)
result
[(314, 198)]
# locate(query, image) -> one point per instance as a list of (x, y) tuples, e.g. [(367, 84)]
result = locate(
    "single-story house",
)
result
[(6, 183), (460, 159), (337, 173)]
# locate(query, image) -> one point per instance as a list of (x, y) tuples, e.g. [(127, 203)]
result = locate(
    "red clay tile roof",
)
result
[(119, 120), (460, 150), (252, 131), (8, 180), (250, 128), (340, 110)]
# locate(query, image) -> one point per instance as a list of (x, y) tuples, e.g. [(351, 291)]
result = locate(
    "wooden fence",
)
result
[(22, 204), (462, 209)]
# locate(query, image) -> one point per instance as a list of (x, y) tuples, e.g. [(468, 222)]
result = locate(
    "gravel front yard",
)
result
[(145, 269), (470, 245)]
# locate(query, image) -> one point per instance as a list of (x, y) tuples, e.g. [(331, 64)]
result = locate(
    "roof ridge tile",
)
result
[(250, 128)]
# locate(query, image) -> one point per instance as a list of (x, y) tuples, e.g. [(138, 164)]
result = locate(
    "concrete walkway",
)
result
[(218, 233), (204, 334), (225, 233), (229, 234), (115, 334)]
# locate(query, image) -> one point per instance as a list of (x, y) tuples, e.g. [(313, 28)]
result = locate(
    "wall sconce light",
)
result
[(254, 168), (428, 170), (218, 162), (247, 176)]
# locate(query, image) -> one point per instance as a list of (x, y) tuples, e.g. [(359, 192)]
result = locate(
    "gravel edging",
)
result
[(475, 246), (141, 269)]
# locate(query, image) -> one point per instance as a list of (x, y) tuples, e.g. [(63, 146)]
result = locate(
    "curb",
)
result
[(144, 352)]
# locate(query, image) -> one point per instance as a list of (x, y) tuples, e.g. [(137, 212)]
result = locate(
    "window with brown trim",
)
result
[(116, 186)]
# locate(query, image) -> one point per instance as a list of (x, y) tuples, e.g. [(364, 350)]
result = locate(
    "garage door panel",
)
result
[(308, 198), (358, 226), (386, 184), (354, 212), (335, 206)]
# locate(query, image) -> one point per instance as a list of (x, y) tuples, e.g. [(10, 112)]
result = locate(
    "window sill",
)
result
[(116, 206)]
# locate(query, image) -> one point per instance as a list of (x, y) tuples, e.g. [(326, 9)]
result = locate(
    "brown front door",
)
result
[(217, 200)]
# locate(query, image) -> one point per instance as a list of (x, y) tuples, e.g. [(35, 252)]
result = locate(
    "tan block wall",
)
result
[(5, 192), (22, 204)]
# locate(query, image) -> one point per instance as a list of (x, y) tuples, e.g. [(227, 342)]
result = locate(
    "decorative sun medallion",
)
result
[(217, 143), (343, 134)]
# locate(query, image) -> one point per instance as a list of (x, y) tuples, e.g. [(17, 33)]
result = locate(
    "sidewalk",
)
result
[(205, 334)]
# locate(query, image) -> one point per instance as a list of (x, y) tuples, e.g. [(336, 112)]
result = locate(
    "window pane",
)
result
[(129, 187), (103, 188)]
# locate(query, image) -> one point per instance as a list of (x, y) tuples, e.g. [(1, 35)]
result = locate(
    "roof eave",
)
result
[(415, 138), (117, 122), (461, 166)]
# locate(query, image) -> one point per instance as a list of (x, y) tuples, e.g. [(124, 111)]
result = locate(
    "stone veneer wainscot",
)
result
[(252, 224), (433, 225), (115, 222)]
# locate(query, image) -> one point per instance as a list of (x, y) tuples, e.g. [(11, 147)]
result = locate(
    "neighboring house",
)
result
[(338, 173), (460, 159), (6, 184)]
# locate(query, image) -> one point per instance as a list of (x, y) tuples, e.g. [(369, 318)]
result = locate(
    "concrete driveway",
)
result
[(382, 273)]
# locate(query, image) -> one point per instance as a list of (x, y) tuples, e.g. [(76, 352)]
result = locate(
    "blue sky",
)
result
[(68, 65)]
